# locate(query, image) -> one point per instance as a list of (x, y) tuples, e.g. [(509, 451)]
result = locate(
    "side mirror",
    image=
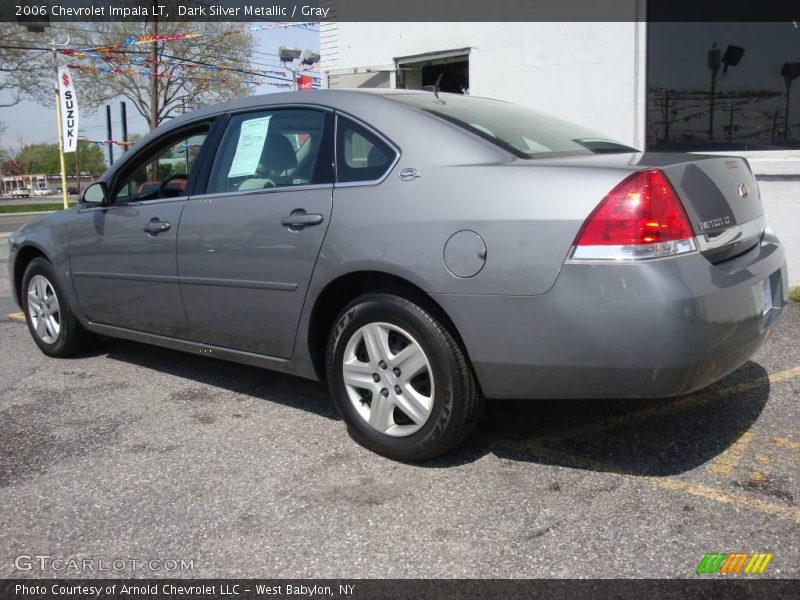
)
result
[(97, 194)]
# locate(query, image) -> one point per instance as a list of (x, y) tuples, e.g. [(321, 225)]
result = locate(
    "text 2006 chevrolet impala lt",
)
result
[(420, 252)]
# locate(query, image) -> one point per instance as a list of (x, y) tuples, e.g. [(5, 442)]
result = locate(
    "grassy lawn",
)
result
[(18, 208), (794, 294)]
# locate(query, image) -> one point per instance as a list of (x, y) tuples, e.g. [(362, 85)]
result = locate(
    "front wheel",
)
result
[(54, 327), (399, 379)]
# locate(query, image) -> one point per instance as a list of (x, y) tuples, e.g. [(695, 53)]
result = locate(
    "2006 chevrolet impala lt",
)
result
[(419, 251)]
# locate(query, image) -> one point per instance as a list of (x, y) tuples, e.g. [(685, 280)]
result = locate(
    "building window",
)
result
[(723, 86), (450, 69)]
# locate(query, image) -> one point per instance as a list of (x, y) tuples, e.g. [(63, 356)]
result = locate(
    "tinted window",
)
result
[(268, 149), (751, 68), (162, 172), (520, 130), (361, 155)]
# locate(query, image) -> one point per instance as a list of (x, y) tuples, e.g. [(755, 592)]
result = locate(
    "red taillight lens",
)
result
[(642, 209)]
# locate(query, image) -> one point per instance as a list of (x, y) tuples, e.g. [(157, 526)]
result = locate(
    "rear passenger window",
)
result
[(362, 156), (271, 149)]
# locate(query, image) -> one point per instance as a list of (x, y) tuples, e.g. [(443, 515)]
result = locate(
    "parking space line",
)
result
[(17, 316), (785, 442), (726, 462), (676, 484)]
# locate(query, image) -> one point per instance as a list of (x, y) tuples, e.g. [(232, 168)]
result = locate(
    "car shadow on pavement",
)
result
[(633, 437), (288, 390)]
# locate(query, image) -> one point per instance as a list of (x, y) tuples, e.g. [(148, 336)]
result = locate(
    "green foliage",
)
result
[(794, 294), (43, 158)]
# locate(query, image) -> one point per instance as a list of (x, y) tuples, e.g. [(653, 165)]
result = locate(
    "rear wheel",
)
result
[(399, 379), (50, 320)]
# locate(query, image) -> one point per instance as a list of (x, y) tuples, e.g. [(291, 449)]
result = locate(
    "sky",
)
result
[(37, 124)]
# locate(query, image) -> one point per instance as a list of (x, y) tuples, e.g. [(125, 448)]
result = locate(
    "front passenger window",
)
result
[(162, 173)]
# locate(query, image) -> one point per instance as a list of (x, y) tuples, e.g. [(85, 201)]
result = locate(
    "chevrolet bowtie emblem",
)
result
[(744, 190)]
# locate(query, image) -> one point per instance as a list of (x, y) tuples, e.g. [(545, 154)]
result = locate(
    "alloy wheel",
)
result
[(388, 379), (43, 309)]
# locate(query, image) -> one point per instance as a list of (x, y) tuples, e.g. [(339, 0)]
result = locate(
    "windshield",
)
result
[(522, 131)]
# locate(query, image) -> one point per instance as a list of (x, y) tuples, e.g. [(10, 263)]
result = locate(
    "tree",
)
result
[(184, 82), (43, 158), (22, 71)]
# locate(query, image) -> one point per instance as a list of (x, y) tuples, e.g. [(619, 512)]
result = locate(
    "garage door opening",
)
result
[(417, 72)]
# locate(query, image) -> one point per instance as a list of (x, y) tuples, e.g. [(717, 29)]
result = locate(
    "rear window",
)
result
[(520, 130)]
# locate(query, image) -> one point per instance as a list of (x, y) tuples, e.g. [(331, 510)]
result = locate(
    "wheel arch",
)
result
[(340, 291), (24, 257)]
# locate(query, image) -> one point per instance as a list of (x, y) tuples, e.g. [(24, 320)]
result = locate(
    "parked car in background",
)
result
[(421, 252), (41, 192), (73, 191), (21, 193)]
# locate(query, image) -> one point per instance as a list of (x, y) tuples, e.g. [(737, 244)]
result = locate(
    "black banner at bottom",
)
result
[(391, 589)]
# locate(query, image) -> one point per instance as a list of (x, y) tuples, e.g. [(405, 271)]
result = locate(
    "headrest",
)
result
[(278, 154)]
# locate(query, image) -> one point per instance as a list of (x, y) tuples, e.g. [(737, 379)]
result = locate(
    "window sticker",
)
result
[(252, 135)]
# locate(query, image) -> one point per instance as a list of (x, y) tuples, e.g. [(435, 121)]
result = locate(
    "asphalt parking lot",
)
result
[(140, 453)]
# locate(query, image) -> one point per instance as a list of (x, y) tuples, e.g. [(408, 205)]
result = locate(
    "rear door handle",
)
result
[(155, 226), (300, 218)]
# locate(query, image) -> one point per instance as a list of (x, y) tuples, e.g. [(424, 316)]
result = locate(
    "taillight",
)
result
[(642, 217)]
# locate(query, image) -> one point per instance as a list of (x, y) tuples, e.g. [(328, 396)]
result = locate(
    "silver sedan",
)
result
[(421, 252)]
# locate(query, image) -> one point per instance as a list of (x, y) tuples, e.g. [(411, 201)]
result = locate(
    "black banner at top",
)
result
[(44, 11)]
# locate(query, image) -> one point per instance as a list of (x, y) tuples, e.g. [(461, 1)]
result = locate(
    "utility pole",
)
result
[(730, 124), (54, 43), (154, 76), (78, 165), (110, 138), (124, 117)]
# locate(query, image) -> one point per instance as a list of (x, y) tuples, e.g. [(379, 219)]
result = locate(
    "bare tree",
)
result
[(192, 72), (189, 73), (21, 70)]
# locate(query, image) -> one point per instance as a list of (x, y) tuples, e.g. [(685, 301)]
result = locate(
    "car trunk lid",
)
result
[(723, 203)]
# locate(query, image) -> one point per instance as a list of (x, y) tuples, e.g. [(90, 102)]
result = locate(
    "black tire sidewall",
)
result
[(425, 330), (67, 322)]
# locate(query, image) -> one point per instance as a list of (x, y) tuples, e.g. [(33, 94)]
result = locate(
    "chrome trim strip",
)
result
[(237, 283), (632, 253), (271, 190), (711, 241)]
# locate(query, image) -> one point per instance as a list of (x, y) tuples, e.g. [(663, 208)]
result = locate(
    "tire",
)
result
[(412, 416), (60, 335)]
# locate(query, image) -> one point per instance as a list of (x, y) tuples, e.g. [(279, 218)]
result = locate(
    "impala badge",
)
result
[(744, 190), (409, 174)]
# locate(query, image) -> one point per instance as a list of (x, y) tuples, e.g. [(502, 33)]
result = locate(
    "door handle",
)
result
[(154, 227), (300, 218)]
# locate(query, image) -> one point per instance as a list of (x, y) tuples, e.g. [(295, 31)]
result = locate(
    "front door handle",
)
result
[(155, 226), (300, 218)]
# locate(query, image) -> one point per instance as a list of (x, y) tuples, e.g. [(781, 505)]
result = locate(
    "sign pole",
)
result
[(60, 138)]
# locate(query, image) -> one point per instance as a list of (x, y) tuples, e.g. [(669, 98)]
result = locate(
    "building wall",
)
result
[(589, 73)]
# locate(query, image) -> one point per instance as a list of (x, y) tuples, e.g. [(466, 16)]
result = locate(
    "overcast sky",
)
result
[(35, 123)]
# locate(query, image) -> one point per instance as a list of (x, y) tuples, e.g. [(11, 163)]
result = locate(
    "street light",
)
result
[(790, 72), (289, 54), (731, 58)]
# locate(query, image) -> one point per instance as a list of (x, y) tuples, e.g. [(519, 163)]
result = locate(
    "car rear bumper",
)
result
[(654, 329)]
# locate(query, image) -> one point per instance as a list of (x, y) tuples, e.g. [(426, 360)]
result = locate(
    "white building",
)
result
[(646, 85)]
